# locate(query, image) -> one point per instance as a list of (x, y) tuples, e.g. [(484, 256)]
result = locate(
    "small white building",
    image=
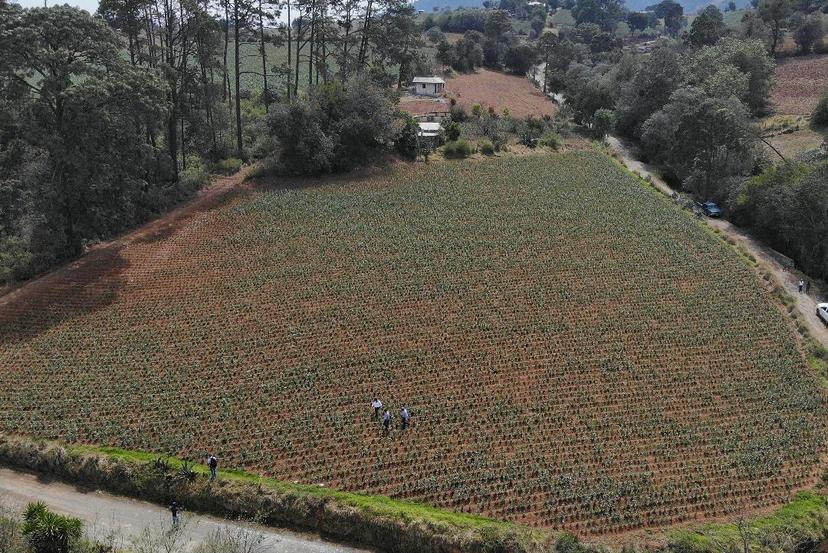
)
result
[(428, 86), (429, 129)]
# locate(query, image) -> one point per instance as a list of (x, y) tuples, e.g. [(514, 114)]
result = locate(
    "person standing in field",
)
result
[(175, 509), (801, 285), (377, 406), (212, 462), (386, 421), (404, 418)]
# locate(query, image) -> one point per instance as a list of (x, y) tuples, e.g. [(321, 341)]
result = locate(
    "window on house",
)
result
[(423, 85)]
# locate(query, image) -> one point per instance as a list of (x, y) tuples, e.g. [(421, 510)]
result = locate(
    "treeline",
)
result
[(692, 105), (496, 45), (108, 120)]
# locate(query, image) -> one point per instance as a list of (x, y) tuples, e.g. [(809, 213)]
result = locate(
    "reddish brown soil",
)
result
[(92, 266), (800, 82), (500, 91)]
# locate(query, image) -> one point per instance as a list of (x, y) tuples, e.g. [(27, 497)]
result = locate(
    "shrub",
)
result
[(192, 179), (820, 115), (336, 127), (406, 142), (550, 139), (458, 149), (486, 148), (453, 131), (458, 113), (603, 122), (228, 166), (48, 532)]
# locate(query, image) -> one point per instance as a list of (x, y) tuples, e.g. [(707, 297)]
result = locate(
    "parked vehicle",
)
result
[(710, 209), (822, 312)]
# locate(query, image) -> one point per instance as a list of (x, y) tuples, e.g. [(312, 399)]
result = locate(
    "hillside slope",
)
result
[(577, 352)]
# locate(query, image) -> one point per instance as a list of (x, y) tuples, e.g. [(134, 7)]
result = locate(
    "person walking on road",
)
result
[(376, 405), (386, 421), (801, 285), (212, 462), (175, 509), (404, 418)]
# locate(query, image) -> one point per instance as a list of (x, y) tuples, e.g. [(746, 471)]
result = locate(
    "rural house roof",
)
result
[(428, 80), (430, 126)]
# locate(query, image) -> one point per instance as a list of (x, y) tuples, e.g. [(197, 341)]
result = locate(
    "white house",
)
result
[(428, 86)]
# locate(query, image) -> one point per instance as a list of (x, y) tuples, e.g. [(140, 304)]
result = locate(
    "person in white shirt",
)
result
[(386, 421), (377, 406), (404, 418)]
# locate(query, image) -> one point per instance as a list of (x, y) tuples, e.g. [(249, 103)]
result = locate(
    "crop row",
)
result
[(575, 352)]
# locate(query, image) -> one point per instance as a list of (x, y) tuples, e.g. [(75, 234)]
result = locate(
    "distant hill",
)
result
[(429, 5), (690, 6)]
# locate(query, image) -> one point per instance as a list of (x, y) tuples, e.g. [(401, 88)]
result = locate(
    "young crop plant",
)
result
[(575, 351)]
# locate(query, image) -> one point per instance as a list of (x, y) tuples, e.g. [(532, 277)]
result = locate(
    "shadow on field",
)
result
[(82, 287)]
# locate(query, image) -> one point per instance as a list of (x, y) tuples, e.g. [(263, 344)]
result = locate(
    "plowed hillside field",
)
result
[(799, 84), (576, 352)]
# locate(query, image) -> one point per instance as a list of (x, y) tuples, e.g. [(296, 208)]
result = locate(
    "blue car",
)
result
[(711, 209)]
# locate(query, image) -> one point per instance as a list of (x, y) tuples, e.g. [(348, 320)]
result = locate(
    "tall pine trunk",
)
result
[(236, 42), (263, 51), (290, 52)]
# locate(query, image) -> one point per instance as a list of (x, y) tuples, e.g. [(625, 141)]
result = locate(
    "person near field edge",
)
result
[(175, 509), (377, 406), (801, 285), (404, 418), (212, 462), (386, 421)]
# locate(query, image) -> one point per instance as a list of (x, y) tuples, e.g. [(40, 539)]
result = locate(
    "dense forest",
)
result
[(108, 120)]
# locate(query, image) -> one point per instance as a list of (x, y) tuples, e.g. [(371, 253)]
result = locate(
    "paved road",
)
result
[(102, 512), (806, 303)]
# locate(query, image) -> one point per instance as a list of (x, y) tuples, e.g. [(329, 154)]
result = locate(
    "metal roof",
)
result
[(430, 126), (428, 80)]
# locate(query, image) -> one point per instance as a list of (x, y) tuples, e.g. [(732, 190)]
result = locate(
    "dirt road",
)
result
[(102, 512), (769, 258)]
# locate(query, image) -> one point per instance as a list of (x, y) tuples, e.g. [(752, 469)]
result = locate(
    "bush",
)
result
[(228, 166), (335, 127), (453, 131), (486, 148), (406, 142), (458, 113), (192, 179), (458, 149), (603, 122), (820, 115), (550, 139), (48, 532)]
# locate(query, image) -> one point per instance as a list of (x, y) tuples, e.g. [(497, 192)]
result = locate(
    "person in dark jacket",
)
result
[(212, 462), (175, 509)]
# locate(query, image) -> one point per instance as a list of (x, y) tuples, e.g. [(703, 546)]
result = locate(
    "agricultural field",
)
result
[(576, 351), (499, 91), (799, 83)]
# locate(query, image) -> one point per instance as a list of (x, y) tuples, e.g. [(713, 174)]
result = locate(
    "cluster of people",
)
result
[(804, 286), (405, 416)]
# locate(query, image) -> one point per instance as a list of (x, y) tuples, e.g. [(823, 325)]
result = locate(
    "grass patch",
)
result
[(802, 521)]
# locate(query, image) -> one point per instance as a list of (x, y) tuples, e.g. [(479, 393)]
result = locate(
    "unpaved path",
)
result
[(99, 254), (766, 256), (103, 513)]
